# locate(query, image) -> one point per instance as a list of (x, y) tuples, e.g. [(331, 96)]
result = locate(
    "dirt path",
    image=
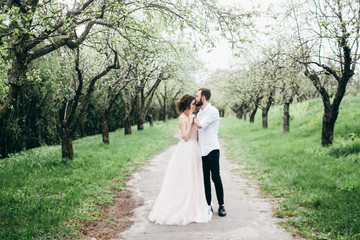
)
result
[(248, 215)]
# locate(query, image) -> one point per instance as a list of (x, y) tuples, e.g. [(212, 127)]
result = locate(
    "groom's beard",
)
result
[(200, 103)]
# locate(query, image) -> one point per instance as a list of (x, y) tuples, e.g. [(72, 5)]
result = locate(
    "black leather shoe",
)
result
[(222, 212)]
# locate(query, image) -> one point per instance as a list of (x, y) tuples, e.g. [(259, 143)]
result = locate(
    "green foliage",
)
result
[(56, 70), (4, 68), (42, 197), (33, 120), (318, 188)]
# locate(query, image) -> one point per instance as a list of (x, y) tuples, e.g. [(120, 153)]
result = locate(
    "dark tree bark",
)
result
[(162, 98), (286, 122), (288, 99), (105, 125), (127, 126), (164, 103), (111, 96), (343, 38), (253, 113), (66, 143), (17, 79), (331, 111), (70, 120), (245, 109), (239, 114), (105, 130), (65, 117), (126, 96), (255, 102), (266, 108), (143, 100), (26, 48), (264, 117), (221, 112), (3, 142), (238, 110), (164, 110), (140, 118), (151, 120)]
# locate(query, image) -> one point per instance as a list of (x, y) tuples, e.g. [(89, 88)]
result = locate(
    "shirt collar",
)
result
[(205, 108)]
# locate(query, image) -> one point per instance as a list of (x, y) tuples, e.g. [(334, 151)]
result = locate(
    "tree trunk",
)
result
[(126, 97), (105, 131), (140, 124), (66, 143), (163, 107), (264, 118), (253, 113), (105, 125), (127, 126), (3, 144), (266, 108), (139, 111), (245, 113), (16, 78), (127, 120), (239, 113), (151, 120), (327, 131), (265, 111), (139, 119), (331, 113), (286, 117), (165, 113), (165, 110), (222, 112)]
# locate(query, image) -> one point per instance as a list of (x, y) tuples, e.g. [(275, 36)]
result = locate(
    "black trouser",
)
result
[(211, 165)]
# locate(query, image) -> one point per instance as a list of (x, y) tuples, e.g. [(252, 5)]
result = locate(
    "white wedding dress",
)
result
[(182, 197)]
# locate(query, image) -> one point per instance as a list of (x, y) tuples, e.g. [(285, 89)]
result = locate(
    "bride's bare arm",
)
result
[(185, 127), (196, 123)]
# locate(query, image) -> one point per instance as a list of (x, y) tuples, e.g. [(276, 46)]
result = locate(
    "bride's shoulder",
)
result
[(182, 116)]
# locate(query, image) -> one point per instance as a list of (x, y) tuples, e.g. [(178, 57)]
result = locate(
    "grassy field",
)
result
[(318, 188), (42, 197)]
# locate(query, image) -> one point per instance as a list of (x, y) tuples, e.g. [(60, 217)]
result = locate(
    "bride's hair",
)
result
[(184, 102)]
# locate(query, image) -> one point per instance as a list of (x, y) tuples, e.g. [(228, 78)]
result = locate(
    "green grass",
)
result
[(318, 188), (42, 197)]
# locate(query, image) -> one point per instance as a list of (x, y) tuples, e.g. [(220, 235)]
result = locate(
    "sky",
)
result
[(221, 56)]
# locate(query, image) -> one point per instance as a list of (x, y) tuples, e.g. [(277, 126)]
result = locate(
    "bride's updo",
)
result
[(184, 102)]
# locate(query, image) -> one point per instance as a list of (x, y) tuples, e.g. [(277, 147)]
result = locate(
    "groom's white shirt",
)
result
[(208, 133)]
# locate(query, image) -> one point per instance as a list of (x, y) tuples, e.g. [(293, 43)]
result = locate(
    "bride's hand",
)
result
[(192, 117), (196, 122)]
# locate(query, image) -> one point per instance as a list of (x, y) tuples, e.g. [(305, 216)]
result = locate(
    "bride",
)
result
[(182, 197)]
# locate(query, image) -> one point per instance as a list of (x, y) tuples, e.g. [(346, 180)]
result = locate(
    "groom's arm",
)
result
[(209, 118)]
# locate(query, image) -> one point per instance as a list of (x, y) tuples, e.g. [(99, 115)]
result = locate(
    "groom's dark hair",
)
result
[(205, 92)]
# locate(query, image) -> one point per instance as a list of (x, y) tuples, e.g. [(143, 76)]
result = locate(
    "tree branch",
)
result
[(91, 89)]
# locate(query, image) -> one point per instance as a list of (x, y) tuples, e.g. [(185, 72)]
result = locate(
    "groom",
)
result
[(208, 121)]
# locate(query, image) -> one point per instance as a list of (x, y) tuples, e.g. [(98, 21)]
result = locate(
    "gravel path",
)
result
[(248, 215)]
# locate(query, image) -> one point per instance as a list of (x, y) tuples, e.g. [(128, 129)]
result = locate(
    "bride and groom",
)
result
[(185, 195)]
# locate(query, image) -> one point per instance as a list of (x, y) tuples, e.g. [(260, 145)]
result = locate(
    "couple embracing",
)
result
[(185, 195)]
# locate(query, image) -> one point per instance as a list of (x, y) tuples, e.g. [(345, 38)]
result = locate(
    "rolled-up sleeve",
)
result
[(209, 118)]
